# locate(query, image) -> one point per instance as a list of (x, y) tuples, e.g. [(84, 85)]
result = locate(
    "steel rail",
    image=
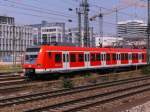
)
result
[(52, 94), (80, 103)]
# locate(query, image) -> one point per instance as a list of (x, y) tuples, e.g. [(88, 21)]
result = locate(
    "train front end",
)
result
[(32, 61)]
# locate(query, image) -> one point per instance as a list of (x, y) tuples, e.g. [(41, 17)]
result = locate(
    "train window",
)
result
[(126, 56), (49, 54), (136, 56), (98, 57), (58, 58), (73, 58), (81, 57), (93, 57), (34, 49), (31, 57), (133, 57), (122, 57), (142, 56), (114, 56), (108, 57)]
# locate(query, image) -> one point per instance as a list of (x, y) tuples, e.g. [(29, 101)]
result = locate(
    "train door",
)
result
[(103, 59), (118, 59), (66, 64), (87, 59), (130, 58), (140, 58)]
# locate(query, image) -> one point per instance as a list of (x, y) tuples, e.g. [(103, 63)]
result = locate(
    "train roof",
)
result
[(69, 48)]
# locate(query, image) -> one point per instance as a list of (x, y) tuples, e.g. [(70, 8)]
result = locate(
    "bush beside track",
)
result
[(146, 70), (10, 69)]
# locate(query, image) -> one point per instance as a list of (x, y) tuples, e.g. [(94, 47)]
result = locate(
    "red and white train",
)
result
[(57, 59)]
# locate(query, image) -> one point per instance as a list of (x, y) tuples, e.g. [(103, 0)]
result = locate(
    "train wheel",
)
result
[(30, 76)]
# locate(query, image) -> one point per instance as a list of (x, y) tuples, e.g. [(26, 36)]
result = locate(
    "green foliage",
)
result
[(67, 83), (86, 75), (146, 70)]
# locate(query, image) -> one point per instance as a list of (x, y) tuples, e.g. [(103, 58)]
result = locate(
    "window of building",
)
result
[(53, 34), (73, 58), (58, 58), (53, 39)]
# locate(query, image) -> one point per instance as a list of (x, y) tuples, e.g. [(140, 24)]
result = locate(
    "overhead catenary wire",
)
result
[(35, 15), (119, 11), (37, 9)]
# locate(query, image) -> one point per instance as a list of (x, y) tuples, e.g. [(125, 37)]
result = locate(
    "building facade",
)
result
[(7, 20), (49, 33), (73, 37), (132, 29), (107, 41), (14, 38), (53, 34)]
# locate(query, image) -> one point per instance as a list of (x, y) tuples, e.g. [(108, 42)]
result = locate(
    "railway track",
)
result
[(12, 82), (10, 78), (53, 94), (8, 75), (14, 87), (86, 102)]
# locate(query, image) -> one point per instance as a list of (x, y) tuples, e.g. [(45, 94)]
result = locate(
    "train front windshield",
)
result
[(31, 55)]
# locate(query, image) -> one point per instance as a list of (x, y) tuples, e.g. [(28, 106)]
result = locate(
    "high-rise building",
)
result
[(132, 29), (49, 33), (73, 37), (13, 38), (7, 20), (107, 41)]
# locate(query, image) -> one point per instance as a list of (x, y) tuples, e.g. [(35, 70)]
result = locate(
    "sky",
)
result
[(34, 11)]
